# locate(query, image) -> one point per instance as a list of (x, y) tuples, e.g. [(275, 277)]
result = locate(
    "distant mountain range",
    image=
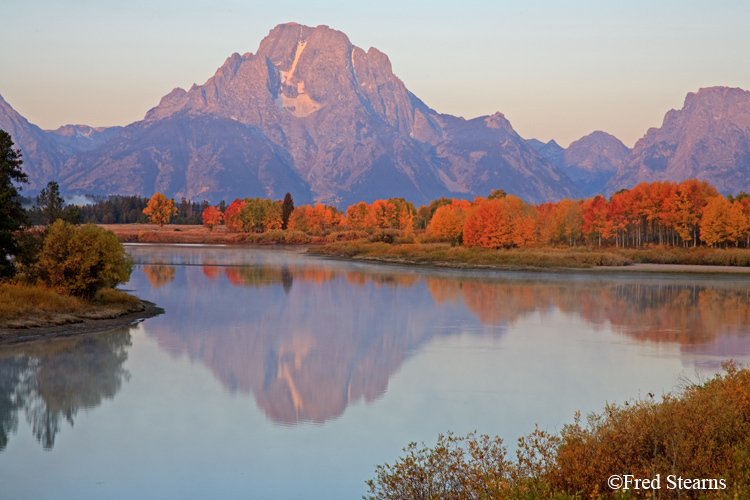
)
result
[(313, 115), (590, 161)]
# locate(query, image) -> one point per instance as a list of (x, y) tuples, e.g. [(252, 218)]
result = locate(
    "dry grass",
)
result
[(23, 306), (443, 254), (404, 250)]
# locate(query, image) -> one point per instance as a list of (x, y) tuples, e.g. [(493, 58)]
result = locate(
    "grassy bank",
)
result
[(419, 250), (695, 444), (443, 254), (23, 306), (172, 233)]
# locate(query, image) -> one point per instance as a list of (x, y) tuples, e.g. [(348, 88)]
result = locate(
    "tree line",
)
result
[(129, 210), (46, 246), (686, 214)]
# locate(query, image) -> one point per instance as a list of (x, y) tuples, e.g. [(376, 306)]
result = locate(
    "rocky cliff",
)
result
[(311, 114), (708, 139)]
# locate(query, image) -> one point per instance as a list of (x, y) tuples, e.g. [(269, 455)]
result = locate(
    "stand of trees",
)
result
[(687, 214), (58, 253)]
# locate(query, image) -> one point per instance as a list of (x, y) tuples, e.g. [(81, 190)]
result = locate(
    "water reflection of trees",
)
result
[(159, 274), (308, 340), (50, 382)]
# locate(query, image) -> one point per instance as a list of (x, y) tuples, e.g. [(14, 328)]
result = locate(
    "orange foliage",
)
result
[(393, 213), (211, 271), (315, 219), (448, 221), (232, 215), (499, 223), (212, 216)]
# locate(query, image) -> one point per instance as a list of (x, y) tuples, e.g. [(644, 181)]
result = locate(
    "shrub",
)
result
[(80, 261), (456, 468), (701, 433)]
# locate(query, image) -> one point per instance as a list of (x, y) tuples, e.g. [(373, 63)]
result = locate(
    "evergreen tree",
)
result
[(286, 210), (49, 205), (12, 214)]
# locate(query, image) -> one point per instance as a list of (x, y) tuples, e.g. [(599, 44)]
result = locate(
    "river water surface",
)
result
[(278, 375)]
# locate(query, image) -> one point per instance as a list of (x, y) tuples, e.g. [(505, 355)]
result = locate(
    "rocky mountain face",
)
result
[(198, 156), (311, 114), (708, 139), (42, 158), (589, 162), (592, 160), (551, 151), (72, 139), (46, 151)]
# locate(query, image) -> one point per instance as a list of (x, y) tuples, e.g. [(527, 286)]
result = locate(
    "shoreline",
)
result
[(644, 268), (81, 326), (553, 259)]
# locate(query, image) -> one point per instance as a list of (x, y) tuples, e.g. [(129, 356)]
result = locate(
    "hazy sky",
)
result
[(556, 69)]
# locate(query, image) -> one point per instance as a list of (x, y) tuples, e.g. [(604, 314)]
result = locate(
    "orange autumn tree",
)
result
[(738, 221), (232, 215), (357, 216), (315, 219), (393, 213), (212, 216), (499, 223), (447, 223), (688, 200), (594, 218), (714, 224), (160, 209)]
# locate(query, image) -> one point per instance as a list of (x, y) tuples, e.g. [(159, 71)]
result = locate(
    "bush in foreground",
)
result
[(702, 433), (80, 261)]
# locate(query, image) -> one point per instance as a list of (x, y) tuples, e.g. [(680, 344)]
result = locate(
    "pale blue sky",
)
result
[(556, 69)]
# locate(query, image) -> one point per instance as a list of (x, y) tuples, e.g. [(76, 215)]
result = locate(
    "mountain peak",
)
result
[(708, 139), (315, 115)]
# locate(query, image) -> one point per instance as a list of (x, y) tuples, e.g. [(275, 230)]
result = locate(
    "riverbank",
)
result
[(654, 260), (31, 313), (195, 234)]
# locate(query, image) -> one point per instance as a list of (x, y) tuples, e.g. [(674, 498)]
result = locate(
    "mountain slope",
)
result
[(308, 111), (353, 129), (592, 160), (42, 157), (187, 155), (708, 139), (589, 162)]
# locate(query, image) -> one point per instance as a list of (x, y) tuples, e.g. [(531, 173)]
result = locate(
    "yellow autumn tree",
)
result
[(448, 221), (160, 209)]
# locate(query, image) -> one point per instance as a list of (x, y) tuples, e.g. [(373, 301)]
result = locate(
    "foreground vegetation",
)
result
[(701, 433), (53, 270), (24, 306)]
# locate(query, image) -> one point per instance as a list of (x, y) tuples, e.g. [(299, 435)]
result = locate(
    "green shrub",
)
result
[(81, 260)]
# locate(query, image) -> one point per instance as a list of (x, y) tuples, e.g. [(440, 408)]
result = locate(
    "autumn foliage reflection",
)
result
[(160, 275), (308, 338), (653, 311)]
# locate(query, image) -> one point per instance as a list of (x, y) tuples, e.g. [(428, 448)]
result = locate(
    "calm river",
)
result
[(277, 375)]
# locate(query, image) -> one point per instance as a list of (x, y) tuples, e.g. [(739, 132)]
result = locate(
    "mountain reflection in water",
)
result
[(51, 381), (308, 337)]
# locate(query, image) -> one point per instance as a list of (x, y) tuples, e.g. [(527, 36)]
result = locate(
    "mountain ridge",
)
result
[(341, 128)]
